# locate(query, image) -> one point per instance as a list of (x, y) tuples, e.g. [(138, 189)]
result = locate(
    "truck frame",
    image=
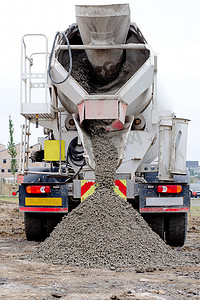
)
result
[(152, 173)]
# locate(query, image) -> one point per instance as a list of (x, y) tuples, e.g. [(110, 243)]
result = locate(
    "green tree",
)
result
[(12, 149)]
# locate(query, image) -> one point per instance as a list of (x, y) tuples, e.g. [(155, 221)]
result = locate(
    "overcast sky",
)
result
[(171, 27)]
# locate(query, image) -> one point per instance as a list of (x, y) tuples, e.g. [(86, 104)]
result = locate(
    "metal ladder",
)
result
[(24, 148)]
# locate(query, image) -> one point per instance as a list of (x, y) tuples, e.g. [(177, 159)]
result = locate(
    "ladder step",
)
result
[(24, 159)]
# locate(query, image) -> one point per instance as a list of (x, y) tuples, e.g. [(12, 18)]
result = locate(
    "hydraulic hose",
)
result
[(75, 156), (51, 55), (71, 178)]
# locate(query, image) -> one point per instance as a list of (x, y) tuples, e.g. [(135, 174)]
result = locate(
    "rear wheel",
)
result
[(52, 222), (35, 227), (176, 229), (156, 222)]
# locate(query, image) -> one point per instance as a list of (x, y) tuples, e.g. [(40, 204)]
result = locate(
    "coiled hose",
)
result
[(75, 156), (51, 55)]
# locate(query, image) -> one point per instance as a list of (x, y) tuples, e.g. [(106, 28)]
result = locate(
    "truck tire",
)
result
[(35, 227), (156, 222), (52, 222), (176, 229)]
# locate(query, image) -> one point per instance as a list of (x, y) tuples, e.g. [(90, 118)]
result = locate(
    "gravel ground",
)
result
[(24, 279)]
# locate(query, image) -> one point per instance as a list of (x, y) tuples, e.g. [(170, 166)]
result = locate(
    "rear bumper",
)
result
[(54, 202), (150, 201)]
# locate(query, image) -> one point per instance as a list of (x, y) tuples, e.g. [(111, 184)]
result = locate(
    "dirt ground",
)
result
[(23, 279)]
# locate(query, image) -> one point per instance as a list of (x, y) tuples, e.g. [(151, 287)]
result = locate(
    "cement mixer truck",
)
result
[(100, 70)]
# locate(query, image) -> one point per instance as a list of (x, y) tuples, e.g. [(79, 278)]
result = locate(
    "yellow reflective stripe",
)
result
[(43, 201), (88, 193)]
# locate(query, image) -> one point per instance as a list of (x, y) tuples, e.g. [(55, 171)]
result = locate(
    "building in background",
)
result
[(5, 161), (192, 164), (2, 147), (194, 169)]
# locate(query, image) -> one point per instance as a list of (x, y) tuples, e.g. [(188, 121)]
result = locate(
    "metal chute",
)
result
[(104, 25), (118, 138)]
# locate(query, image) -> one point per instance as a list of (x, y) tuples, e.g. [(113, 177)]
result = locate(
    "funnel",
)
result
[(104, 24)]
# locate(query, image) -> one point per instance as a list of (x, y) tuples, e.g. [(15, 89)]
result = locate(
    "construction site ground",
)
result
[(24, 279)]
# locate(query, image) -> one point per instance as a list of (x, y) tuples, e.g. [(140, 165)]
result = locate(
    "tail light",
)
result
[(14, 193), (38, 189), (170, 189), (194, 193)]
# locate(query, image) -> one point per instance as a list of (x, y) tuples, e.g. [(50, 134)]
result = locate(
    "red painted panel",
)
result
[(121, 186), (43, 209), (164, 209), (86, 187), (20, 178), (101, 109)]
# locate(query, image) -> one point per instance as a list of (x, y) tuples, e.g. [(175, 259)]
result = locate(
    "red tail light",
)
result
[(38, 189), (194, 193), (170, 189)]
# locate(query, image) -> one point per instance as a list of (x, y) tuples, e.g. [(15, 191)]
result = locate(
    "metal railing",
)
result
[(28, 77)]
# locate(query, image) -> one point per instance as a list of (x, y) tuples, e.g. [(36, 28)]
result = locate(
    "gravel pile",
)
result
[(105, 230)]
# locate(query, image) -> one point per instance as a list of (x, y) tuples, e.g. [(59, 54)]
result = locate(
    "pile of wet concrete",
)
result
[(104, 231)]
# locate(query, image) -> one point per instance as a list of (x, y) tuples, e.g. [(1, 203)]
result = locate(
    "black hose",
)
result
[(70, 178), (51, 55), (75, 156)]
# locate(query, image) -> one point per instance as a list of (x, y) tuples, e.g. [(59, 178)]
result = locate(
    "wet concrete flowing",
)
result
[(104, 231)]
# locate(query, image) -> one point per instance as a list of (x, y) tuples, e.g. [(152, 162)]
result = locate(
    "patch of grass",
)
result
[(195, 208), (195, 211), (9, 199)]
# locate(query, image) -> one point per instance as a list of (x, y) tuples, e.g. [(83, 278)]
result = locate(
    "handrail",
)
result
[(104, 47), (25, 58)]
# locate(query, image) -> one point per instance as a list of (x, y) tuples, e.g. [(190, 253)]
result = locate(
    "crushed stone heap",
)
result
[(104, 231)]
